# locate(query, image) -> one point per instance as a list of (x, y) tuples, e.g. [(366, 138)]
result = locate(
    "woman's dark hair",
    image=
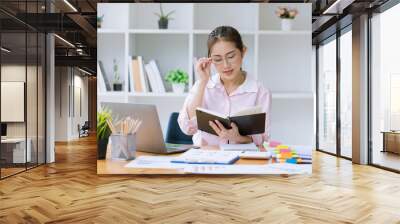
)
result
[(226, 33)]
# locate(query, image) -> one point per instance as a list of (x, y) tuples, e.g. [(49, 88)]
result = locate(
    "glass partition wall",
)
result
[(385, 89), (334, 80), (22, 76), (327, 96)]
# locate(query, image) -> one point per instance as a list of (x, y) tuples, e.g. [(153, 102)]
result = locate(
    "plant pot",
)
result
[(286, 24), (178, 88), (98, 24), (163, 24), (117, 86), (102, 148)]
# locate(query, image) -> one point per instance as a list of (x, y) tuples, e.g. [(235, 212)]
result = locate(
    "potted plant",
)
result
[(99, 21), (163, 18), (103, 132), (117, 84), (178, 78), (287, 15)]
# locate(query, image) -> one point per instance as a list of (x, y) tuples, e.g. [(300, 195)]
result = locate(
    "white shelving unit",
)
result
[(281, 60)]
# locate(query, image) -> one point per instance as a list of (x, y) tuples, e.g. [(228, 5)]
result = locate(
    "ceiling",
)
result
[(76, 22)]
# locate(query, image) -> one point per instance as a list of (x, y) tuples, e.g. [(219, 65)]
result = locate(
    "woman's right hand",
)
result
[(203, 69)]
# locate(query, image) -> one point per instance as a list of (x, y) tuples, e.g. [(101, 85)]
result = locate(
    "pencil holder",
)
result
[(123, 146)]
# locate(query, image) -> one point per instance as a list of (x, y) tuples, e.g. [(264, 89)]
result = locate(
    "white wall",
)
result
[(81, 84), (66, 95), (115, 15), (17, 73), (33, 126), (61, 103)]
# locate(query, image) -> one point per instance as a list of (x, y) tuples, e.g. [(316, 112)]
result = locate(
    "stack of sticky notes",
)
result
[(283, 153)]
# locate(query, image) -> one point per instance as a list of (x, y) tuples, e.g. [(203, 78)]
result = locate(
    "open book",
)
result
[(250, 121)]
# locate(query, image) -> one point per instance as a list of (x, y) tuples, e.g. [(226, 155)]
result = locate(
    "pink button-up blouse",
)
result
[(249, 94)]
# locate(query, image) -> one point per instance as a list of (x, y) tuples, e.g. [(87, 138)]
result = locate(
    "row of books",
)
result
[(142, 77)]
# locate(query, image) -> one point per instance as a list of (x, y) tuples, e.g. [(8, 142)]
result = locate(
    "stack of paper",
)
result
[(156, 162), (276, 168), (239, 147), (199, 156)]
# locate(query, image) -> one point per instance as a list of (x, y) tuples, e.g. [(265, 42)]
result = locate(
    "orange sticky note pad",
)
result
[(286, 155)]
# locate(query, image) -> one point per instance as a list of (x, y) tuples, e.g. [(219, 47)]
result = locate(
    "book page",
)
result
[(212, 112), (248, 111)]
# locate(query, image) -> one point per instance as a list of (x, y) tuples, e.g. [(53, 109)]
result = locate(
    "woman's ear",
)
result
[(244, 51)]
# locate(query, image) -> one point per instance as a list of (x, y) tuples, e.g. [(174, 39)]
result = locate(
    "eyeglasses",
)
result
[(230, 58)]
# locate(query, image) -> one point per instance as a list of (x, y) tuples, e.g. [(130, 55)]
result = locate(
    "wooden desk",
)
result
[(391, 141), (111, 167)]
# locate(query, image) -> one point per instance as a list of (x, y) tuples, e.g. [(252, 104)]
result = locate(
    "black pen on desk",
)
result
[(304, 162)]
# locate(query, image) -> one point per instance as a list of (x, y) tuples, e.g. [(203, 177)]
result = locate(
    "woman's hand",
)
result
[(229, 134), (203, 69)]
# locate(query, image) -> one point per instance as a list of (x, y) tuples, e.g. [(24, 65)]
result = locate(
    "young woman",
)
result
[(228, 91)]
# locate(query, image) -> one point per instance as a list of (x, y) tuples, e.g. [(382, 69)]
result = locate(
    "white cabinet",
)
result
[(18, 152), (281, 60)]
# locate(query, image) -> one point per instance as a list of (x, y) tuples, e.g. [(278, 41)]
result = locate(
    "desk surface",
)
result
[(111, 167)]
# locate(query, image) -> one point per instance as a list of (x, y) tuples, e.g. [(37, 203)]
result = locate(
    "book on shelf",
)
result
[(250, 121), (150, 76), (154, 76), (104, 76), (143, 76), (137, 75)]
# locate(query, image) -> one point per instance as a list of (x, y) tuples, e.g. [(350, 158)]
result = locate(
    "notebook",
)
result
[(200, 156), (250, 121)]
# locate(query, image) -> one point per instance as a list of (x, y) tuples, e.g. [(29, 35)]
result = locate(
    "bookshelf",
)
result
[(274, 57)]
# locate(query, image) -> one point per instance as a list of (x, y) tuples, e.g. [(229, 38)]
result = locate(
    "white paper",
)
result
[(239, 147), (164, 162), (206, 156), (248, 111), (157, 162), (302, 149), (277, 168)]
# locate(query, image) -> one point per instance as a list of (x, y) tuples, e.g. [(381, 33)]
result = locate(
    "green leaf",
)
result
[(103, 130), (177, 76)]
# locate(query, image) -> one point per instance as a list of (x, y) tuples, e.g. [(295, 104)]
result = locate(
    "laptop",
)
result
[(149, 137)]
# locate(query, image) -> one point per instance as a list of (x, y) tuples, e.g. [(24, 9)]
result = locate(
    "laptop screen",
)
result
[(3, 129)]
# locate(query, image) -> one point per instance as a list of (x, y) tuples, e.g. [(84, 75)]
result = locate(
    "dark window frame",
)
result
[(29, 29), (334, 37)]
